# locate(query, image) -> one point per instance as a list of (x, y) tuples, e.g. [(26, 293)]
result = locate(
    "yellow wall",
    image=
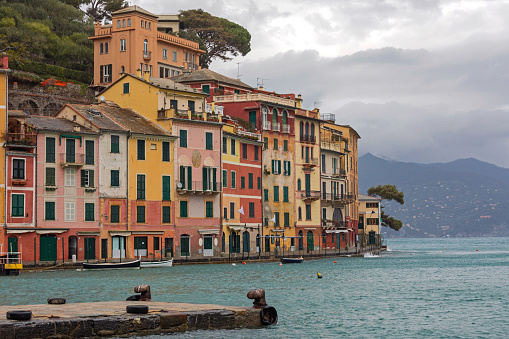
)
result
[(3, 118)]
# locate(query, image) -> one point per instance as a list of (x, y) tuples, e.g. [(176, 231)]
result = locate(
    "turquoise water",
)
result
[(421, 288)]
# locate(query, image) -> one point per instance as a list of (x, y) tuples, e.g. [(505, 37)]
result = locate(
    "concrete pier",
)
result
[(109, 318)]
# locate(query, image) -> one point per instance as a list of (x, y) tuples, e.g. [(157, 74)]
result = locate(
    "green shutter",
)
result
[(50, 149), (225, 178), (276, 193), (183, 209), (209, 209), (115, 213), (140, 185), (205, 181), (91, 177), (182, 176), (115, 180), (289, 168), (115, 144), (83, 177), (233, 179), (140, 214), (89, 152), (285, 193), (208, 140), (49, 210), (166, 188), (183, 138), (166, 214), (141, 150), (259, 183), (251, 179), (214, 179), (18, 205), (50, 176), (166, 151), (89, 212), (189, 178), (273, 162), (279, 167), (242, 182), (266, 195)]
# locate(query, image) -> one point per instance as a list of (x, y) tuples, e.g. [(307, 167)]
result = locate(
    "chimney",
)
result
[(146, 76), (260, 88), (298, 101), (138, 73), (5, 61)]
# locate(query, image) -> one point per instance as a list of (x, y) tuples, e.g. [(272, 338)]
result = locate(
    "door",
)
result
[(140, 247), (70, 151), (307, 179), (252, 120), (207, 246), (104, 248), (89, 248), (73, 246), (168, 247), (118, 247), (184, 246), (12, 245), (245, 242), (311, 244), (301, 240), (267, 244), (48, 247)]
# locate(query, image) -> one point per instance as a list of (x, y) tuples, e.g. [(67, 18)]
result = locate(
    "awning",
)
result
[(90, 233), (147, 232), (18, 231), (274, 230), (208, 231), (50, 231), (336, 231), (311, 228), (236, 227), (120, 233)]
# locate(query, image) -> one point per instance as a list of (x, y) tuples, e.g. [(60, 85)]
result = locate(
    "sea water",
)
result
[(420, 288)]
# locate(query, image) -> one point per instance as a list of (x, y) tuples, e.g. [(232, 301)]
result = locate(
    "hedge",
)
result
[(48, 71)]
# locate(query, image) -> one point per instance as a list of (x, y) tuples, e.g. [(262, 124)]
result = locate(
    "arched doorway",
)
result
[(234, 242), (310, 241), (301, 240), (246, 242), (185, 248), (73, 246)]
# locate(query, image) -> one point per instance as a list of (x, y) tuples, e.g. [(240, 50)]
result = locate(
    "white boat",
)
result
[(152, 264)]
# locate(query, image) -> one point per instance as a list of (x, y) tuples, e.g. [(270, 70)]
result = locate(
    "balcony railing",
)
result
[(310, 162), (21, 139), (339, 172), (328, 116), (255, 97), (286, 128), (147, 55), (308, 138), (310, 195), (338, 198), (197, 187), (266, 125), (335, 224), (254, 136), (71, 159), (276, 127), (334, 146)]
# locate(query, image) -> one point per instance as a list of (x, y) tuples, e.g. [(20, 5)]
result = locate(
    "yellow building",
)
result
[(4, 70), (369, 221), (307, 182)]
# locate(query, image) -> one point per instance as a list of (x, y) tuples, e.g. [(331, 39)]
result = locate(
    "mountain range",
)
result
[(462, 198)]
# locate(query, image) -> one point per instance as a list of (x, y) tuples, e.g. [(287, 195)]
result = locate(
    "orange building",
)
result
[(137, 39)]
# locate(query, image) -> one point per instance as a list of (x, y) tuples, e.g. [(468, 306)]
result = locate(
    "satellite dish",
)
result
[(179, 185), (102, 98)]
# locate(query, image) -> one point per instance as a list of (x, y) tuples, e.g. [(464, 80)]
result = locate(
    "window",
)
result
[(101, 48), (50, 176), (89, 152), (115, 213), (70, 179), (233, 179), (165, 54), (286, 167), (18, 168), (232, 150), (265, 142), (251, 209), (250, 181), (285, 145), (87, 178), (265, 195), (174, 56), (166, 214), (232, 210), (209, 209), (115, 144), (323, 163), (276, 216), (128, 22), (50, 150), (244, 151), (89, 211), (206, 89), (276, 193), (209, 140), (242, 182), (299, 185), (123, 22), (372, 221), (166, 151), (256, 152), (225, 145), (140, 214), (105, 73), (252, 120), (126, 88), (166, 188), (115, 178), (183, 209), (49, 210), (183, 138), (225, 213), (140, 186), (70, 211), (106, 48), (276, 166), (259, 186), (225, 178), (118, 23), (276, 144), (123, 45), (372, 205), (18, 205), (308, 212), (285, 194), (286, 218), (300, 213), (145, 48), (141, 149)]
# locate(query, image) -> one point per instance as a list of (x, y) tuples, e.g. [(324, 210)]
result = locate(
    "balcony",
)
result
[(310, 162), (328, 117), (198, 187), (331, 145), (276, 127), (339, 172), (266, 125), (19, 182), (21, 139), (254, 97), (147, 55), (71, 159), (310, 195), (310, 139), (335, 224), (254, 136), (286, 128)]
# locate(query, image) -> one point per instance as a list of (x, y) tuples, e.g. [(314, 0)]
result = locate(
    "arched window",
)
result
[(312, 132), (274, 116), (123, 22), (307, 131), (285, 117), (149, 25), (264, 115), (122, 69), (145, 46), (301, 130), (101, 48), (141, 23), (118, 23), (301, 240), (106, 48), (299, 185), (128, 22)]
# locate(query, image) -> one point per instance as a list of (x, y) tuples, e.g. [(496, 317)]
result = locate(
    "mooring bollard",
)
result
[(144, 295), (267, 313), (259, 298)]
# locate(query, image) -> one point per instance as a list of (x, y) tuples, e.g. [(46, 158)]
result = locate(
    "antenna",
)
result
[(238, 70), (260, 82), (316, 103)]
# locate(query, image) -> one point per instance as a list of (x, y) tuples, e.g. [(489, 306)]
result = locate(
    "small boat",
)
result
[(292, 260), (111, 265), (152, 264)]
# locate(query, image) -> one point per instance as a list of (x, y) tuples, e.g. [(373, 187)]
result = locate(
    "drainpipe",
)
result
[(127, 194), (34, 208)]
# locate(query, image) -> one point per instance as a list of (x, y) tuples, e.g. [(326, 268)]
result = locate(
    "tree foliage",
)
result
[(220, 38), (98, 10), (388, 192)]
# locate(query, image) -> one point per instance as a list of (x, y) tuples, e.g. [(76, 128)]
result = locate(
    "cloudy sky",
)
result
[(420, 80)]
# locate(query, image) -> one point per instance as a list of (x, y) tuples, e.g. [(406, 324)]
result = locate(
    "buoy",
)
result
[(335, 261), (319, 276), (280, 264), (234, 264), (243, 263), (477, 250)]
